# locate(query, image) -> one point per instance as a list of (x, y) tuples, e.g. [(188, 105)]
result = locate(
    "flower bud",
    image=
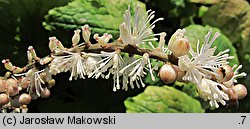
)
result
[(59, 45), (45, 93), (7, 74), (4, 99), (180, 47), (7, 64), (24, 82), (168, 73), (76, 37), (240, 90), (225, 73), (12, 91), (43, 76), (33, 52), (17, 70), (104, 39), (12, 87), (52, 43), (11, 82), (45, 60), (24, 99), (29, 56), (86, 33)]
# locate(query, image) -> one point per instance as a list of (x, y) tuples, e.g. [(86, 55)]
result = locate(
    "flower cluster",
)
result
[(214, 78), (18, 87), (211, 73), (137, 30)]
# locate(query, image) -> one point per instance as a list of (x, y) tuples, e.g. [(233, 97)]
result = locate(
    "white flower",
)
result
[(139, 29), (113, 62), (201, 66), (75, 63), (135, 71), (35, 81), (90, 63), (203, 62), (210, 91)]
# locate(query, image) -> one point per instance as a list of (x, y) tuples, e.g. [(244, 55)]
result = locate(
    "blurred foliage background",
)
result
[(32, 22)]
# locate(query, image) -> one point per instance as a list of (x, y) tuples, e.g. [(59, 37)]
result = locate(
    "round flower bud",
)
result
[(4, 99), (24, 82), (45, 93), (24, 99), (11, 82), (51, 83), (240, 90), (225, 73), (180, 47), (168, 73), (2, 85), (12, 87)]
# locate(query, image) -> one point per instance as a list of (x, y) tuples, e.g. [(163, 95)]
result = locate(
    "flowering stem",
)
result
[(128, 48)]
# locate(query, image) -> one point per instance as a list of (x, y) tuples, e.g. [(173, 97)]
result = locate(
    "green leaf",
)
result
[(233, 18), (21, 27), (205, 1), (162, 100), (188, 88), (103, 16), (198, 32), (177, 3)]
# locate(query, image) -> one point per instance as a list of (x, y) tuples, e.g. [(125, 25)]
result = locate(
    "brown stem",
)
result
[(128, 48)]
